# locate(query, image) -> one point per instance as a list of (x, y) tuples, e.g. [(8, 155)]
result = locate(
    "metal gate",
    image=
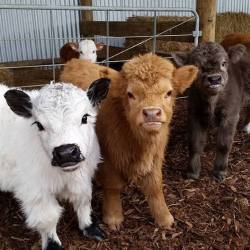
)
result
[(52, 37)]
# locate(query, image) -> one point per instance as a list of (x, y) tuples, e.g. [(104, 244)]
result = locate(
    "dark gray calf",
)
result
[(216, 97)]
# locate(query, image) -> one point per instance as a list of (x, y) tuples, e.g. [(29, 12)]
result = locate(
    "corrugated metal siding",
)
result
[(222, 6), (233, 6), (122, 16), (26, 34)]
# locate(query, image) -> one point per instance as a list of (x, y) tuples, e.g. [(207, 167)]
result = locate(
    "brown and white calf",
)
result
[(216, 97), (133, 128), (85, 50)]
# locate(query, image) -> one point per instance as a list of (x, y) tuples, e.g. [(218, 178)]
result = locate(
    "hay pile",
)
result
[(226, 23), (159, 18), (163, 44), (229, 22), (33, 76), (6, 76)]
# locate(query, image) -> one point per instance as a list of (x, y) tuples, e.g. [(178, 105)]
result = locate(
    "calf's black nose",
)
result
[(67, 155), (214, 79)]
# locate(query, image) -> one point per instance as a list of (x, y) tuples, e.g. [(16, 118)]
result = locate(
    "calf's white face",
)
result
[(88, 49), (64, 117)]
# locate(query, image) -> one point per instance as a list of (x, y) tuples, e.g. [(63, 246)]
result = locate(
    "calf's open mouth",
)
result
[(215, 86)]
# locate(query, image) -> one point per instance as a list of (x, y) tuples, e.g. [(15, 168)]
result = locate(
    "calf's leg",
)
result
[(197, 140), (42, 215), (112, 184), (82, 206), (225, 137), (151, 186)]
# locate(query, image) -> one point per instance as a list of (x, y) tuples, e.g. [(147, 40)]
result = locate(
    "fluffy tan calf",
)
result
[(133, 128)]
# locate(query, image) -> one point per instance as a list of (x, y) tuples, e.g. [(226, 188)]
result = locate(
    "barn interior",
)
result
[(209, 215)]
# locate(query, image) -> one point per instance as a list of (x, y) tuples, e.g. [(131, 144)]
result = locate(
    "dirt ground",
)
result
[(208, 214)]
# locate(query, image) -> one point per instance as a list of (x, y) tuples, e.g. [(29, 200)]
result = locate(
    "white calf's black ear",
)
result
[(19, 102), (98, 90), (236, 52)]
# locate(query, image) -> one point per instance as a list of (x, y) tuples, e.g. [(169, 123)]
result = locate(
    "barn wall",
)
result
[(26, 34), (39, 26)]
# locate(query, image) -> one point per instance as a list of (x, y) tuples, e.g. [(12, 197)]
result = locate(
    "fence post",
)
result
[(86, 15), (207, 11)]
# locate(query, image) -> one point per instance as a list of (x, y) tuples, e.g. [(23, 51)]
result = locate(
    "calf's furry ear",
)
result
[(180, 58), (98, 90), (183, 77), (236, 52), (19, 102), (99, 46)]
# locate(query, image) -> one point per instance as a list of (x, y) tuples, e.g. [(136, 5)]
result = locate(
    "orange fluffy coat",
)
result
[(133, 147), (234, 38)]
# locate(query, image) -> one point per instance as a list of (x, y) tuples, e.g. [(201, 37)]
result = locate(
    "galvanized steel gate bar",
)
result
[(107, 10)]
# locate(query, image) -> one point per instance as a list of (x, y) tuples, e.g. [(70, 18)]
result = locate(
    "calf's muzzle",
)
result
[(214, 79), (152, 114), (67, 155)]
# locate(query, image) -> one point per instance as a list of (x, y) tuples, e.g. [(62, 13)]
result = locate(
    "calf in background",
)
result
[(217, 97), (236, 38), (233, 39), (85, 50)]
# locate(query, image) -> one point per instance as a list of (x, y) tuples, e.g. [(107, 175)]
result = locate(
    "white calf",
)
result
[(49, 150), (88, 49)]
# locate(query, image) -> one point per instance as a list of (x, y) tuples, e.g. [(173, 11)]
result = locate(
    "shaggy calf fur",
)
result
[(133, 128), (49, 150), (216, 97), (231, 40)]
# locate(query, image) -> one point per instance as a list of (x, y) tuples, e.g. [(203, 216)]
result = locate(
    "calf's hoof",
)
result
[(53, 245), (166, 222), (220, 174), (94, 232), (113, 222), (192, 175)]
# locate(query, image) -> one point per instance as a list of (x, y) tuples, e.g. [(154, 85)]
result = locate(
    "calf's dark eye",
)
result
[(224, 64), (85, 118), (130, 95), (169, 93), (39, 125)]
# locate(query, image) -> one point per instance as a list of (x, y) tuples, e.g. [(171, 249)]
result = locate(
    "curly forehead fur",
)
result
[(148, 68), (57, 96), (208, 52)]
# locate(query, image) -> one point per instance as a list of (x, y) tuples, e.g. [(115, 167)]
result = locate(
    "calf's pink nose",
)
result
[(151, 114)]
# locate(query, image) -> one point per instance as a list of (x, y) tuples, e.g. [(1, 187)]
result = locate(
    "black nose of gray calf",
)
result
[(214, 79), (67, 155)]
